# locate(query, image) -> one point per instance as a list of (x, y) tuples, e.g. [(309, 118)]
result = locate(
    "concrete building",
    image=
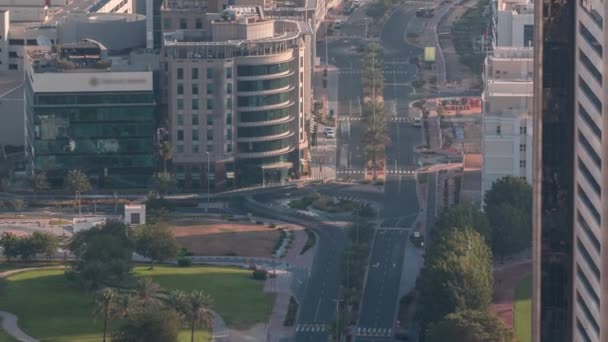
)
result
[(507, 115), (86, 111), (237, 92), (513, 23), (11, 108)]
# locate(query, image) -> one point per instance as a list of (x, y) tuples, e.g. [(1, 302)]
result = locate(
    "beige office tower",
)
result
[(237, 91)]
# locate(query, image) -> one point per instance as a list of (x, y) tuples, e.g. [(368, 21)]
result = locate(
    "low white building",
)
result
[(507, 116), (135, 214)]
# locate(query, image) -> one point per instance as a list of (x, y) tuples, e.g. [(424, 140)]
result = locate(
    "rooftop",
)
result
[(517, 6), (184, 5), (508, 88)]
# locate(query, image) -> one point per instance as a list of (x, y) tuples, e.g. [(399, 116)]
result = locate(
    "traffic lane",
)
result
[(393, 34), (305, 336), (384, 274), (404, 139), (401, 200)]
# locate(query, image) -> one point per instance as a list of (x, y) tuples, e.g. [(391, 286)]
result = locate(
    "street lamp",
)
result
[(208, 182)]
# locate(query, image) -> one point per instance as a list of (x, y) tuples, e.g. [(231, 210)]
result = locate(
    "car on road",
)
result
[(329, 132), (338, 24)]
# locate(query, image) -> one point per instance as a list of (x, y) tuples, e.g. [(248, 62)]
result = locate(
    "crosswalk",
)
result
[(390, 172), (385, 72), (311, 327), (359, 118), (378, 332)]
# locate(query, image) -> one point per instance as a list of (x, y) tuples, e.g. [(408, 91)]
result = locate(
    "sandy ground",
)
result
[(221, 238)]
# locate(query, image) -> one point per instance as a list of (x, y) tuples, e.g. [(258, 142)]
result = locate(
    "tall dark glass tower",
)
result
[(553, 170)]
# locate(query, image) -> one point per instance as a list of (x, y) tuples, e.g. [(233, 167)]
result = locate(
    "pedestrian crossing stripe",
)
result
[(390, 172), (380, 332), (358, 118), (386, 72), (311, 327)]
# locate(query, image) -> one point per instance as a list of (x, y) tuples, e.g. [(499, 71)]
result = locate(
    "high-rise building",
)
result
[(87, 111), (236, 89), (513, 23), (563, 308), (507, 115)]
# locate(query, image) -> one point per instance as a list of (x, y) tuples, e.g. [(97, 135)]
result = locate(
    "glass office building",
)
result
[(100, 122)]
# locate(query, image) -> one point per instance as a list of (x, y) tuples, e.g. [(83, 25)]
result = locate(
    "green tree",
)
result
[(376, 10), (463, 216), (39, 182), (147, 292), (26, 248), (163, 183), (103, 255), (10, 245), (508, 206), (44, 243), (166, 152), (198, 311), (18, 204), (125, 305), (155, 242), (457, 275), (470, 326), (149, 326), (104, 305), (77, 182)]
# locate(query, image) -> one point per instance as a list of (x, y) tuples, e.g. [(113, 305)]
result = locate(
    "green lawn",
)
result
[(522, 320), (52, 309)]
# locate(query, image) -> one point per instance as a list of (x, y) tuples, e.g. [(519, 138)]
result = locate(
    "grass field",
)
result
[(50, 308), (522, 307)]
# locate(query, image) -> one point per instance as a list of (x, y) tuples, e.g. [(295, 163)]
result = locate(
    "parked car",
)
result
[(329, 132)]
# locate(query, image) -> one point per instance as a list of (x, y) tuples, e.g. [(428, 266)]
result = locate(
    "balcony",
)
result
[(267, 137), (286, 73), (285, 104), (266, 123), (267, 92), (265, 154)]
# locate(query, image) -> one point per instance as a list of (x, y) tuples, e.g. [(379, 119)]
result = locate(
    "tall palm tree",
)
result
[(198, 311), (147, 292), (176, 299), (77, 182), (124, 305), (166, 152), (104, 307), (39, 182)]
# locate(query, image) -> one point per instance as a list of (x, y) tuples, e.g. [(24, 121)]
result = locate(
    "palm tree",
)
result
[(77, 182), (104, 306), (124, 305), (163, 182), (198, 311), (176, 299), (166, 152), (39, 182), (147, 292)]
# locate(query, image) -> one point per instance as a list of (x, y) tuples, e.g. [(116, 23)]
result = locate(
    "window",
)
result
[(522, 163), (167, 23), (209, 104), (590, 150), (589, 205), (587, 285), (199, 23), (180, 148), (195, 134), (590, 67), (589, 177), (587, 312), (180, 73), (195, 89), (195, 73), (228, 118), (210, 149), (12, 54), (195, 148), (590, 94), (209, 120), (209, 73), (183, 24), (523, 129), (228, 88), (194, 104), (498, 129), (589, 121), (229, 103), (522, 147), (586, 5), (581, 330), (581, 221), (229, 134), (180, 135), (194, 119), (180, 104), (590, 39), (180, 89), (528, 35), (209, 89), (229, 72), (229, 147), (210, 134), (13, 66), (180, 119)]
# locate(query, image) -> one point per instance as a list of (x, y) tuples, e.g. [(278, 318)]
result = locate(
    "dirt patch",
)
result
[(221, 238), (505, 280)]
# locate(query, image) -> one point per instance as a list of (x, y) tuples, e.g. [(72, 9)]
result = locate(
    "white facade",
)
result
[(590, 310), (514, 22), (135, 214), (507, 116)]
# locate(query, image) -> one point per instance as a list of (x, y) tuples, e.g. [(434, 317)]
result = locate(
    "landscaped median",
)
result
[(51, 308)]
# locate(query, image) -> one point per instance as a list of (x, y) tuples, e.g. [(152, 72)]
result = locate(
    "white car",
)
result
[(329, 132)]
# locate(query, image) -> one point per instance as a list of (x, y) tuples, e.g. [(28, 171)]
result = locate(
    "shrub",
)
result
[(260, 274), (184, 262)]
